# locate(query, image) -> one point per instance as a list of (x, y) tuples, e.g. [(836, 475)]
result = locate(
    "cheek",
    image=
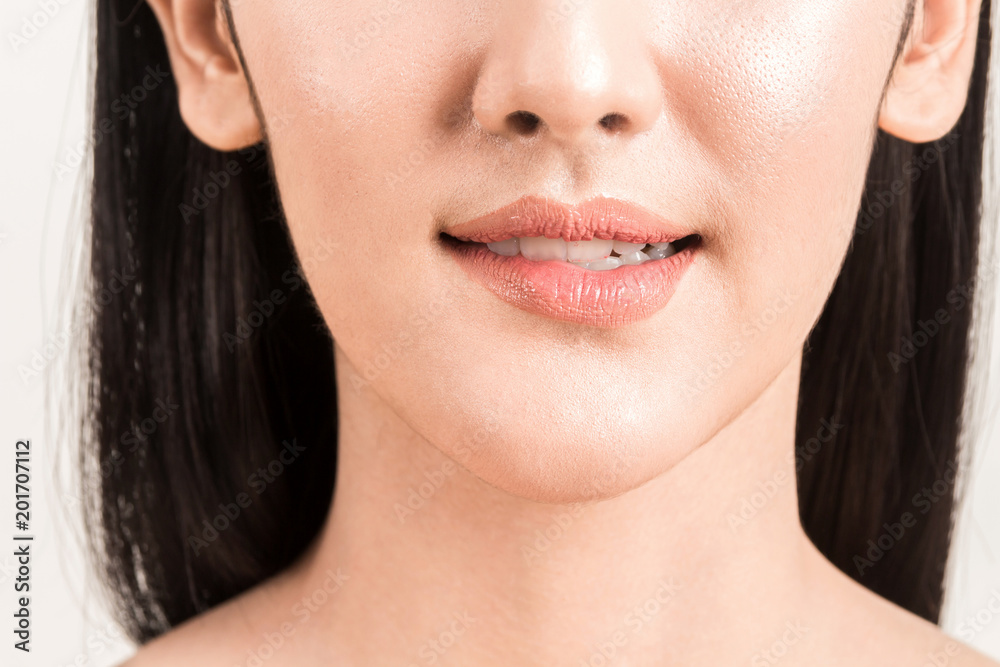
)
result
[(354, 122), (782, 98), (785, 114)]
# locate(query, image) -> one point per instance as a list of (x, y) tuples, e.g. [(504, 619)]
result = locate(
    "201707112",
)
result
[(22, 550)]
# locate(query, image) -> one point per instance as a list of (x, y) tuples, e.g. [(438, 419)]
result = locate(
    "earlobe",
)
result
[(929, 86), (213, 94)]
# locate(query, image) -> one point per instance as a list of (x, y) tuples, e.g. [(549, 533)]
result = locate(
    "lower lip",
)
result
[(565, 291)]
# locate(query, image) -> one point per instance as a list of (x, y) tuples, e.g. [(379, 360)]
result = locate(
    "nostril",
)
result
[(613, 122), (524, 122)]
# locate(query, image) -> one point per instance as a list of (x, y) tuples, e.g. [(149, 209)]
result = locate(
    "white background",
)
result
[(44, 114)]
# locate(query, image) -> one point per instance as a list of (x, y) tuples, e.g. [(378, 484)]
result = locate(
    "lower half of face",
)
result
[(760, 143)]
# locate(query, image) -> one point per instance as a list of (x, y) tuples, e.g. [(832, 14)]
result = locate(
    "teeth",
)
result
[(595, 254), (604, 264), (623, 248), (539, 248), (508, 248), (589, 250), (660, 253), (637, 257)]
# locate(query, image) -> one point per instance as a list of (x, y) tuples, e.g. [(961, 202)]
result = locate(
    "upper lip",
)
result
[(597, 218)]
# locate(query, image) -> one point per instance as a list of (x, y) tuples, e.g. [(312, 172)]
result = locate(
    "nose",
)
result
[(574, 70)]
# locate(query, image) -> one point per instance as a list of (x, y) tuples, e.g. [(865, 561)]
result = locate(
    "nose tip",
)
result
[(583, 77)]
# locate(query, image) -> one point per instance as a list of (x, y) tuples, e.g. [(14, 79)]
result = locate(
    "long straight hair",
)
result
[(196, 385)]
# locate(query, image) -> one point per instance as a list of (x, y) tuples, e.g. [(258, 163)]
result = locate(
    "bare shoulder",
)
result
[(949, 652), (923, 642), (864, 628), (937, 647), (208, 638), (167, 649), (221, 635)]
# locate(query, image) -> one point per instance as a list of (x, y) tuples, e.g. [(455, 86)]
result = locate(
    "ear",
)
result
[(213, 93), (929, 87)]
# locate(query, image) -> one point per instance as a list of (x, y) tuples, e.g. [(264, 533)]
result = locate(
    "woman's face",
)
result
[(749, 123)]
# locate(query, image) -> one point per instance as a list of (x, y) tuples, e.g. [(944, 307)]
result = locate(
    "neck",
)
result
[(433, 561)]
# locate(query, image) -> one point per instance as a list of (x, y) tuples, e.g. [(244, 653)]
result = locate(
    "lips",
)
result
[(560, 289), (598, 218)]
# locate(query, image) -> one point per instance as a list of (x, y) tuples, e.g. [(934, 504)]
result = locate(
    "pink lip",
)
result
[(562, 290)]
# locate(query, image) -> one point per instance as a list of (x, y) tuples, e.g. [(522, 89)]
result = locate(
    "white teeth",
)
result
[(637, 257), (508, 248), (623, 248), (604, 264), (588, 251), (539, 248), (660, 253), (594, 254)]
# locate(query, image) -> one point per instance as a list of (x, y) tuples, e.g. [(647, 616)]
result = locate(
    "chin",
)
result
[(564, 464)]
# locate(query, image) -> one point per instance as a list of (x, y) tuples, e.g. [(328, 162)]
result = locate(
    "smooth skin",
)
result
[(515, 490)]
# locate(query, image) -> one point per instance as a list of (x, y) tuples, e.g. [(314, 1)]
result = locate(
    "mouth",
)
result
[(594, 255), (603, 263)]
